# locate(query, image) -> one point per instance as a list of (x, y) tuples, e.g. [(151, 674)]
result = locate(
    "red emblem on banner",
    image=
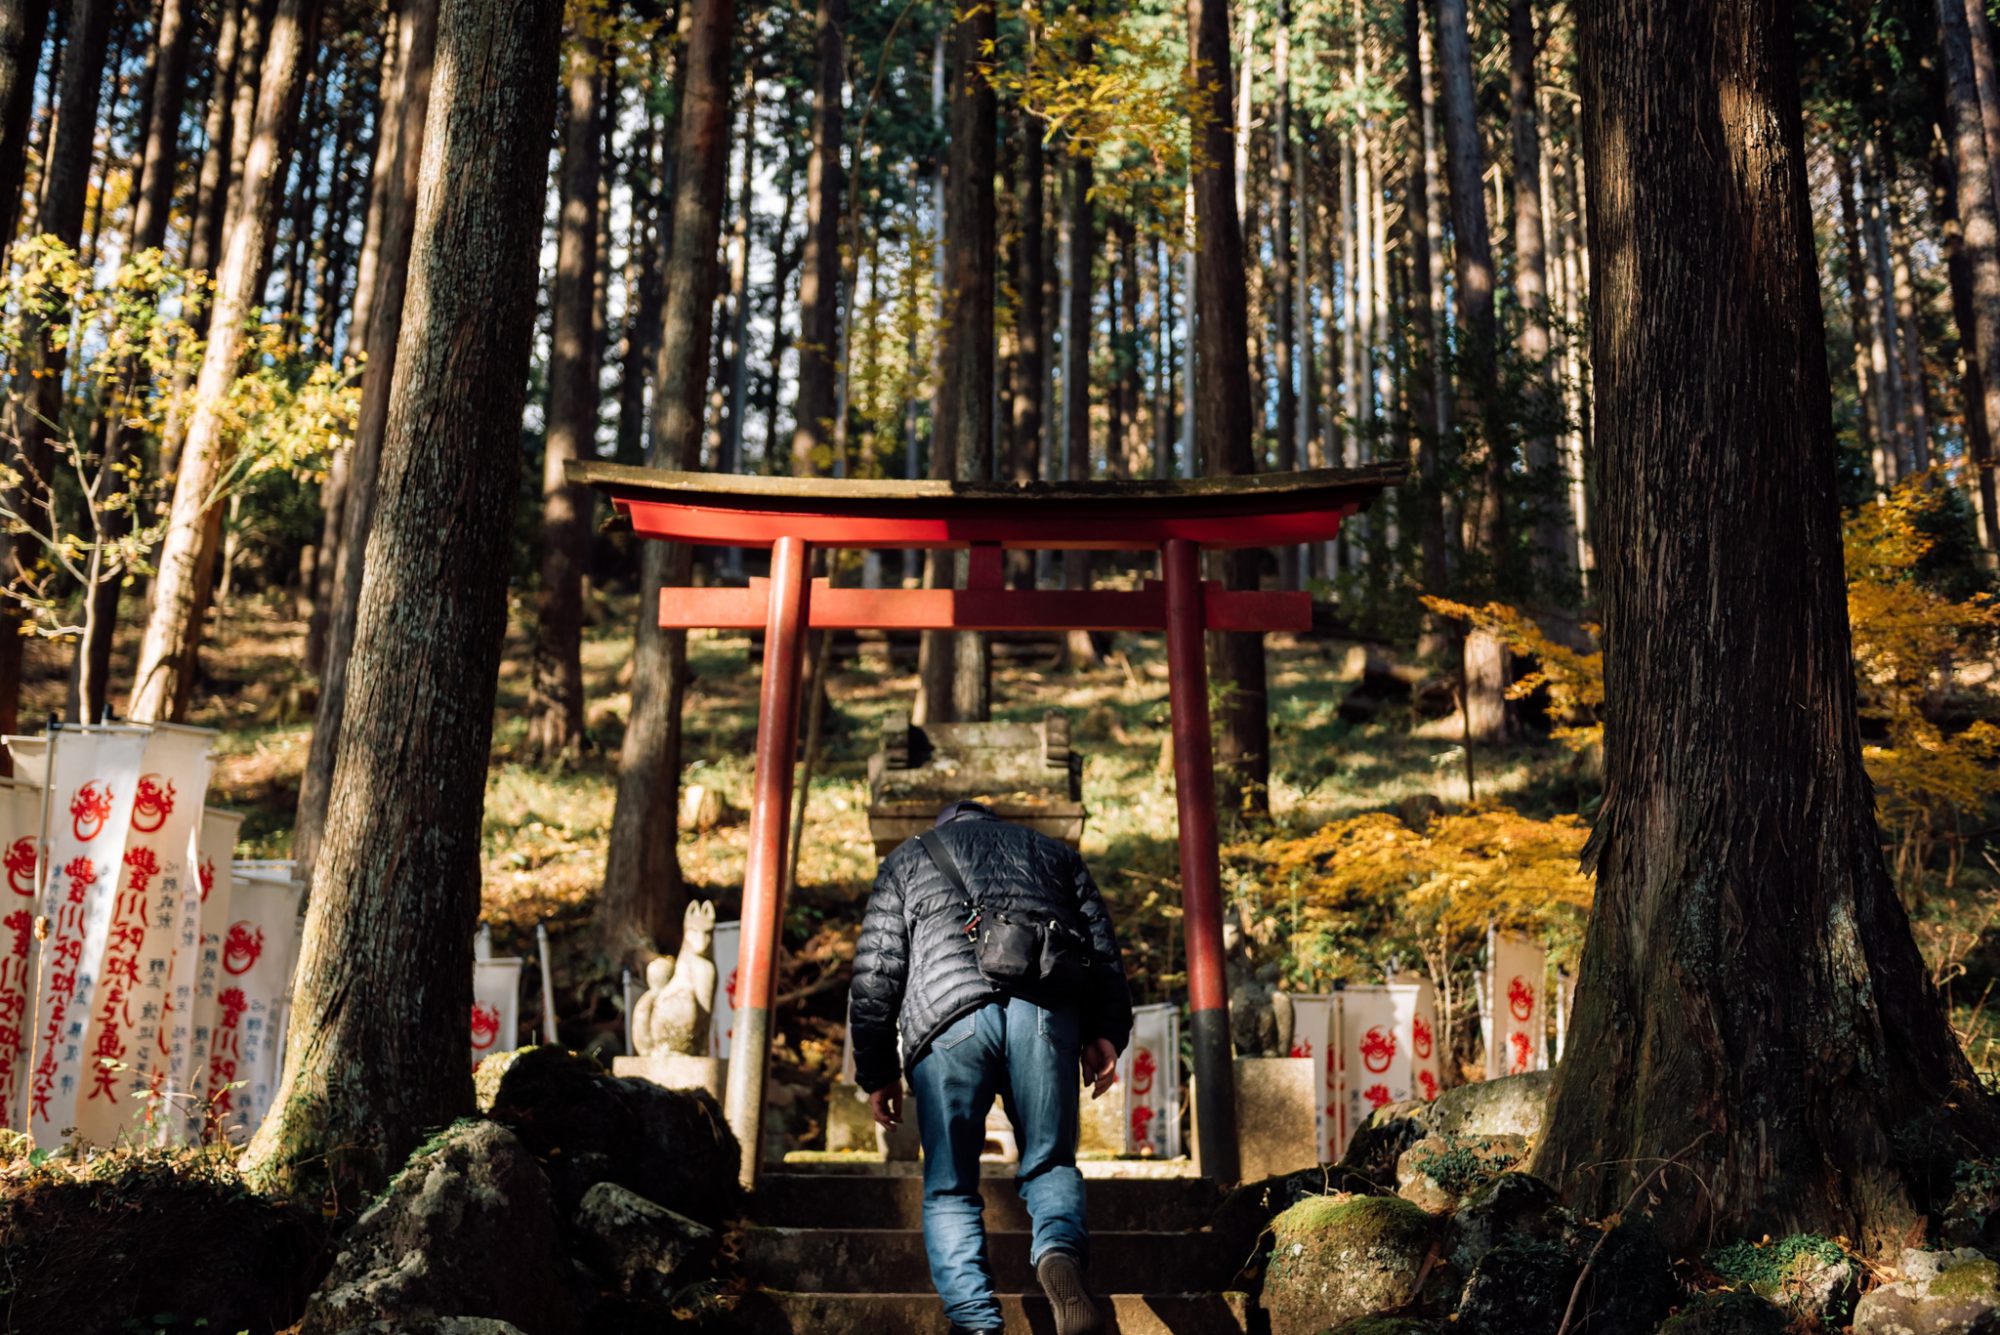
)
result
[(1302, 1048), (207, 874), (89, 809), (1521, 998), (241, 947), (1523, 1051), (1377, 1095), (1429, 1083), (20, 863), (485, 1024), (1377, 1050), (1142, 1124), (1143, 1071), (1420, 1038), (153, 803)]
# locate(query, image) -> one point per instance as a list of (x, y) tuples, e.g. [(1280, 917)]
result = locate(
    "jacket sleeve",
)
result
[(1108, 1009), (881, 964)]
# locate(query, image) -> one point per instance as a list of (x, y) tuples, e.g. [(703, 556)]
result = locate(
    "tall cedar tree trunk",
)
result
[(555, 704), (1484, 658), (375, 1060), (1986, 78), (1080, 652), (173, 631), (1751, 1005), (1281, 245), (1222, 368), (642, 277), (37, 409), (1979, 218), (1979, 444), (152, 200), (1431, 542), (1552, 536), (819, 279), (23, 25), (965, 394), (1861, 322), (1030, 254), (640, 909), (405, 109)]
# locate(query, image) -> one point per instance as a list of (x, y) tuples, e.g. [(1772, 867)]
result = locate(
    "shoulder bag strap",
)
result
[(941, 857)]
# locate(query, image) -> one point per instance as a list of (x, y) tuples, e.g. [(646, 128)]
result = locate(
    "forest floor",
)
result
[(546, 827)]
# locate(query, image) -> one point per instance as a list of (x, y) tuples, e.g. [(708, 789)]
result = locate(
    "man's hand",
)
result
[(887, 1103), (1100, 1065)]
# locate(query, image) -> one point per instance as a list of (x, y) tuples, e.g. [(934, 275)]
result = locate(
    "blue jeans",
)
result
[(1030, 1058)]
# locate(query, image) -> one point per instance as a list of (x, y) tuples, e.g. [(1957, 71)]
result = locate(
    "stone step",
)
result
[(811, 1200), (770, 1313), (892, 1261)]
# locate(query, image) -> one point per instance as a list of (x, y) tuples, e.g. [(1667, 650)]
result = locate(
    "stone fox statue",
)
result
[(674, 1013)]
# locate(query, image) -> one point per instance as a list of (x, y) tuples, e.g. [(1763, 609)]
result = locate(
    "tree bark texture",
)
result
[(640, 909), (555, 704), (1222, 414), (819, 278), (1751, 1009), (376, 1054), (1080, 651), (1979, 444), (1431, 543), (398, 167), (173, 631), (965, 387), (23, 25), (1979, 219)]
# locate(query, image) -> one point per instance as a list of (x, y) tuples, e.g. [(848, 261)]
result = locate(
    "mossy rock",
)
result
[(1511, 1206), (1811, 1277), (1380, 1140), (1941, 1292), (1731, 1312), (1391, 1325), (1337, 1259), (1631, 1286), (1514, 1105)]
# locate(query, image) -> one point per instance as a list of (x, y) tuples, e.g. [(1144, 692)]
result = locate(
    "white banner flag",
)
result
[(1426, 1043), (496, 1007), (20, 847), (1517, 975), (259, 949), (722, 1025), (93, 778), (1150, 1071), (1313, 1036), (153, 876), (1374, 1023), (201, 968)]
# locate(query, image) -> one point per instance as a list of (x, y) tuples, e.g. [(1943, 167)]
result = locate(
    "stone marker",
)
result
[(1277, 1130)]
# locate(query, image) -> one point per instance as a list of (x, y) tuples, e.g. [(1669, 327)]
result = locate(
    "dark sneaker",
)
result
[(1062, 1280), (961, 1330)]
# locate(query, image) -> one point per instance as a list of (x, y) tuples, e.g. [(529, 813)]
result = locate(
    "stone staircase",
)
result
[(841, 1251)]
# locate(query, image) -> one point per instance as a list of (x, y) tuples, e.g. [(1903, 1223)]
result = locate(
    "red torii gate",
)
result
[(1176, 518)]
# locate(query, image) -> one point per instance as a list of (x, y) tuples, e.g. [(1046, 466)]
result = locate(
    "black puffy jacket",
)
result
[(914, 970)]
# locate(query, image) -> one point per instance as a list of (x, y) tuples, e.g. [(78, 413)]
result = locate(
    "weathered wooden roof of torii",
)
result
[(730, 509)]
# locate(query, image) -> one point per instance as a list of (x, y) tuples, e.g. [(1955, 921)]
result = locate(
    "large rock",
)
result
[(1391, 1325), (467, 1229), (1810, 1277), (1631, 1286), (642, 1251), (1513, 1207), (1340, 1258), (1376, 1145), (1437, 1172), (1942, 1291), (1514, 1105), (1519, 1286), (669, 1145), (1737, 1312)]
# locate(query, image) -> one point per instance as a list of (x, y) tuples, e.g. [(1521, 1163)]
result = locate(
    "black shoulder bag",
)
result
[(1011, 950)]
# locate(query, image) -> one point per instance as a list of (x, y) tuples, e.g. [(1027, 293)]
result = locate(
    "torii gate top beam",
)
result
[(733, 510)]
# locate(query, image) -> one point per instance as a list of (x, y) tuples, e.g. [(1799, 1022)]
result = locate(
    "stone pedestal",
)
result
[(674, 1070), (1101, 1122), (850, 1122), (1277, 1126)]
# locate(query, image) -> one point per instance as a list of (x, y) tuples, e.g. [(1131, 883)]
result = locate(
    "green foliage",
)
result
[(1459, 1168), (1766, 1265)]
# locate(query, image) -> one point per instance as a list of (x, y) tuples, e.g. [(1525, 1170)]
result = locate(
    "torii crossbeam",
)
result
[(1176, 518)]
